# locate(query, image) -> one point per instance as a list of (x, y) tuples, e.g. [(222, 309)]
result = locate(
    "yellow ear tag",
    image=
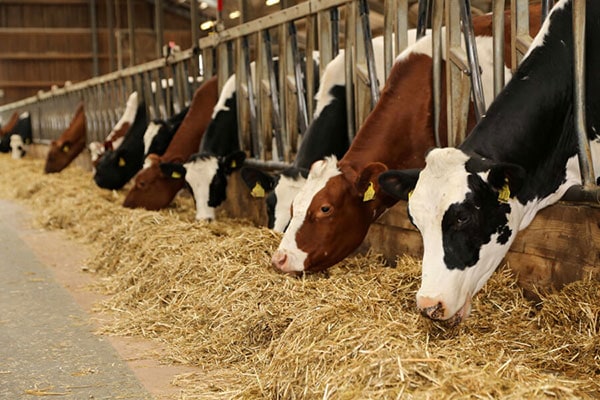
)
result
[(258, 191), (410, 194), (369, 193), (504, 193), (66, 148), (121, 162), (175, 175), (233, 164)]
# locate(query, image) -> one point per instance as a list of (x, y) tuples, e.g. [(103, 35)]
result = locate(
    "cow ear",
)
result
[(367, 185), (507, 179), (173, 170), (233, 161), (399, 183), (260, 183)]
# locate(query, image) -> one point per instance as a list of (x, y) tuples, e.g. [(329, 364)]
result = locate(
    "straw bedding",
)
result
[(207, 292)]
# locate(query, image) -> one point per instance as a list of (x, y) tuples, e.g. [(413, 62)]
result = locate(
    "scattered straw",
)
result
[(208, 293)]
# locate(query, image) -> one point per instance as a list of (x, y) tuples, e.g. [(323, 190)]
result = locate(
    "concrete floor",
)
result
[(47, 347)]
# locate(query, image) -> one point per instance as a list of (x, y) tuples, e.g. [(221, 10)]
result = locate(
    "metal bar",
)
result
[(473, 60), (438, 16), (389, 21), (546, 6), (498, 43), (423, 17), (300, 91), (368, 41), (276, 114), (335, 31), (519, 25), (256, 144), (310, 72), (349, 60), (585, 154)]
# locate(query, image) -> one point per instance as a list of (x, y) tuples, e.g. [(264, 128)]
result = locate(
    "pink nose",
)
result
[(280, 260), (431, 307)]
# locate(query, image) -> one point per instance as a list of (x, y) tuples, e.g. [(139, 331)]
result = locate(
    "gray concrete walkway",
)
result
[(47, 347)]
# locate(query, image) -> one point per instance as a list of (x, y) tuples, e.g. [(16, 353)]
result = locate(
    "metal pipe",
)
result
[(300, 92), (335, 31), (475, 72), (436, 37), (110, 25), (423, 17), (276, 114), (585, 154), (368, 40), (546, 6), (498, 43), (256, 144)]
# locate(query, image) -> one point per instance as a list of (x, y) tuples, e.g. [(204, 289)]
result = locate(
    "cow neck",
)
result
[(187, 139), (531, 121), (399, 129), (221, 137)]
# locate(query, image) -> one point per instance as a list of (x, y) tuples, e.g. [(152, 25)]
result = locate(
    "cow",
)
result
[(334, 210), (160, 132), (19, 138), (118, 165), (154, 189), (469, 202), (69, 145), (326, 135), (115, 137), (206, 171)]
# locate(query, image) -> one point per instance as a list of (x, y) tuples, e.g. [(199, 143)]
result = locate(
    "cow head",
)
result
[(156, 185), (17, 147), (465, 209), (59, 156), (207, 177), (331, 215), (115, 168), (278, 190)]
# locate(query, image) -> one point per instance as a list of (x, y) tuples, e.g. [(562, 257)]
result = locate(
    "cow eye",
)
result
[(462, 220), (325, 210)]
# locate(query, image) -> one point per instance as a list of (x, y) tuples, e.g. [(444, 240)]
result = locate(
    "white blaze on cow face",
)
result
[(199, 175), (288, 257), (17, 147), (466, 229), (285, 192)]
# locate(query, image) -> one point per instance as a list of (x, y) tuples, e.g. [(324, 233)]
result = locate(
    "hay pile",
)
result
[(207, 292)]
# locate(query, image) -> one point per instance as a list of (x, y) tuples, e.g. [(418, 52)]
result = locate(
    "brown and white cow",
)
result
[(115, 137), (153, 189), (10, 124), (69, 145), (333, 212)]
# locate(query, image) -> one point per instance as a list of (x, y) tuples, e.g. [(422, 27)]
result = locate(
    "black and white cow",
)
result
[(469, 202), (18, 138), (159, 133), (327, 135), (219, 155), (116, 167)]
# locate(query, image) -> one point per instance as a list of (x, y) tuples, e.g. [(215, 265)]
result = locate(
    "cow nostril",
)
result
[(279, 260), (433, 312)]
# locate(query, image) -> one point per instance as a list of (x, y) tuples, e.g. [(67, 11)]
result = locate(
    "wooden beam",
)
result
[(45, 2), (30, 84), (24, 56)]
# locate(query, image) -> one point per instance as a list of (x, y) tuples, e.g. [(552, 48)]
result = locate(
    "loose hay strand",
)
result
[(207, 292)]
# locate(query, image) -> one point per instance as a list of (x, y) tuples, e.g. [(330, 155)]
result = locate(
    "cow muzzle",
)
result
[(436, 310), (281, 262)]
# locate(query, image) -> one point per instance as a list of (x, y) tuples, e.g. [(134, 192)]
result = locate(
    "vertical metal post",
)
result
[(195, 30), (310, 72), (256, 144), (94, 27), (368, 40), (276, 115), (300, 92), (131, 27), (436, 44), (498, 43), (423, 17), (585, 154), (476, 85), (335, 30), (349, 59), (159, 26), (546, 6)]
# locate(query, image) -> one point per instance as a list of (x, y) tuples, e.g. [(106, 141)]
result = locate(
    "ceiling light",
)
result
[(234, 14), (271, 2), (203, 5), (207, 25)]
